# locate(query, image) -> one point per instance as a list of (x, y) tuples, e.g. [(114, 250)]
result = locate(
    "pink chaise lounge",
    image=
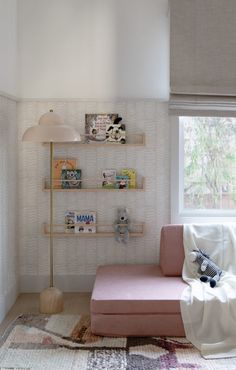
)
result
[(142, 300)]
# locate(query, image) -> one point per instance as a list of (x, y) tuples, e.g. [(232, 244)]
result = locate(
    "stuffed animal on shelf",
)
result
[(208, 270), (122, 226)]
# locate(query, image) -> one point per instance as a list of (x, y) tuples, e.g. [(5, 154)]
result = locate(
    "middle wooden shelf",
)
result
[(92, 185)]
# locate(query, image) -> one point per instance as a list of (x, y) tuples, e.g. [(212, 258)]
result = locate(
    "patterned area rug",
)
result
[(64, 342)]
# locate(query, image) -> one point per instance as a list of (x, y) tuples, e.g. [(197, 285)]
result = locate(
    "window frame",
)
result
[(179, 215)]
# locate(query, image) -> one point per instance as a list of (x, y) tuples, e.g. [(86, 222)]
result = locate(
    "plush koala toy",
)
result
[(122, 226), (208, 270)]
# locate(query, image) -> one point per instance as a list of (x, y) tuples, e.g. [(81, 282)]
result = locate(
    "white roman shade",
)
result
[(203, 56)]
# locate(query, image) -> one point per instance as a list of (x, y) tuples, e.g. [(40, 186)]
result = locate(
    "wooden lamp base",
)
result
[(51, 301)]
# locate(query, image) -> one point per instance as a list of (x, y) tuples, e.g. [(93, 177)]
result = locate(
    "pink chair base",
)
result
[(142, 300), (136, 300), (137, 325)]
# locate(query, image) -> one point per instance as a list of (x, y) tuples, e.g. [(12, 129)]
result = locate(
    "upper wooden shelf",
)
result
[(133, 140)]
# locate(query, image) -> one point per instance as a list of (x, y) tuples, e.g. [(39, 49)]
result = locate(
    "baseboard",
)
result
[(94, 99), (66, 283), (7, 300)]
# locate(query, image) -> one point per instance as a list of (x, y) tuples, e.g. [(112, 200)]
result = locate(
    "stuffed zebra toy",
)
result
[(208, 270)]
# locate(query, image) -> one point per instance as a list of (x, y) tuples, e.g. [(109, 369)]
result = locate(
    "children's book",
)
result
[(108, 179), (115, 132), (58, 166), (71, 179), (131, 173), (85, 222), (70, 221), (122, 182), (96, 124)]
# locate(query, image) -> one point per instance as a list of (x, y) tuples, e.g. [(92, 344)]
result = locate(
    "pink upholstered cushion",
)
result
[(172, 250), (135, 289)]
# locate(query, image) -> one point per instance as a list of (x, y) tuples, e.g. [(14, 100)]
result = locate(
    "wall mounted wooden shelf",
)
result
[(94, 186), (138, 230), (133, 140)]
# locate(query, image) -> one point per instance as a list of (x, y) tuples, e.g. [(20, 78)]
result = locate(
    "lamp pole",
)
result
[(51, 299), (51, 216), (50, 130)]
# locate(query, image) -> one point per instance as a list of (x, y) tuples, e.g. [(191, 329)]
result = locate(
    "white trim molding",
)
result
[(9, 96), (7, 300), (66, 283)]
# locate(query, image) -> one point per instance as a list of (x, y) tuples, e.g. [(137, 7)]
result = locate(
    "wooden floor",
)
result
[(29, 303)]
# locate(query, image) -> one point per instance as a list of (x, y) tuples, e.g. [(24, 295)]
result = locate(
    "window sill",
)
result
[(204, 216)]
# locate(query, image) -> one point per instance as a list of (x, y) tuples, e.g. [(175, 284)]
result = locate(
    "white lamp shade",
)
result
[(51, 129)]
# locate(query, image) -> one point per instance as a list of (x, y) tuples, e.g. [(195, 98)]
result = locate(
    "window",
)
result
[(203, 169)]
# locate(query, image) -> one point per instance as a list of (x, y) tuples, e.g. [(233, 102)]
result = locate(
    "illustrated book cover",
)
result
[(96, 125), (58, 166), (108, 179), (70, 221), (122, 182), (85, 222), (131, 173), (71, 179), (115, 132)]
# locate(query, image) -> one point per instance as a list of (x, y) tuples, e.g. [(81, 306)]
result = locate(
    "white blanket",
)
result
[(209, 314)]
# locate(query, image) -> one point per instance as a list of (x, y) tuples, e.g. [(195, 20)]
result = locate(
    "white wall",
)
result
[(8, 47), (76, 259), (8, 209), (8, 155), (94, 55), (93, 48), (95, 52)]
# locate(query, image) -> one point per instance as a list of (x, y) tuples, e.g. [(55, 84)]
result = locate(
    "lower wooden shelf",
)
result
[(138, 230)]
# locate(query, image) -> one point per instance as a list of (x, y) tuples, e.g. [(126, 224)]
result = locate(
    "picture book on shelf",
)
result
[(70, 221), (71, 179), (115, 132), (131, 173), (59, 165), (85, 222), (96, 125), (122, 182), (108, 179)]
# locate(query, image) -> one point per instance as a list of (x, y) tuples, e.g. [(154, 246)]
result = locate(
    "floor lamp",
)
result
[(50, 129)]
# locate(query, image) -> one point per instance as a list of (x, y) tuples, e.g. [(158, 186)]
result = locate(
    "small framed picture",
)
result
[(122, 182), (108, 179), (71, 179), (96, 126)]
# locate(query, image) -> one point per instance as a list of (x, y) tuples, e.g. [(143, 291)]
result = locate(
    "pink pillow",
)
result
[(172, 250)]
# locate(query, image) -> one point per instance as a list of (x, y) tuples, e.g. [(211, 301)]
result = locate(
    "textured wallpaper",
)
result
[(76, 258), (8, 209)]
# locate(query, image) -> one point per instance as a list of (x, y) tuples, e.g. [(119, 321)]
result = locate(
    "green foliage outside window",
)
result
[(209, 162)]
